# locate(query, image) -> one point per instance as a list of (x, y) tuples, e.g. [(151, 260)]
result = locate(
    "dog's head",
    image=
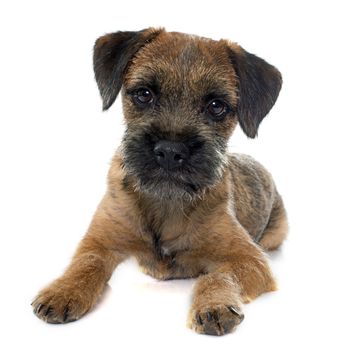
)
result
[(182, 98)]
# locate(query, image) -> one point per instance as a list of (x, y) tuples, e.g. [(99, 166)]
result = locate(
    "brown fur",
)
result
[(217, 234)]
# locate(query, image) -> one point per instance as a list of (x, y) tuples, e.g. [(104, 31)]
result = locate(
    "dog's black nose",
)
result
[(170, 155)]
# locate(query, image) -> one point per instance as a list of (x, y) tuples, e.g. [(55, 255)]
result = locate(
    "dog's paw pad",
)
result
[(217, 320)]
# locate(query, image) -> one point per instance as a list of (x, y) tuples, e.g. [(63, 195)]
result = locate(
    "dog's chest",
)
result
[(156, 245), (164, 228), (165, 242), (160, 248)]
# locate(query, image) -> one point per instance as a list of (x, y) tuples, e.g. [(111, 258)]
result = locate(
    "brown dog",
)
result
[(176, 200)]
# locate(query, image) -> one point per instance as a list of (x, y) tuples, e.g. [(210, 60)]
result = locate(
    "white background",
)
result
[(56, 145)]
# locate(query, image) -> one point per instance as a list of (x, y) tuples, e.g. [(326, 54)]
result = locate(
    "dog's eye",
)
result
[(217, 108), (143, 97)]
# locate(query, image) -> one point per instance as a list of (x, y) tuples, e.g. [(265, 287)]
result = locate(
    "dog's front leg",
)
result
[(237, 272), (74, 293)]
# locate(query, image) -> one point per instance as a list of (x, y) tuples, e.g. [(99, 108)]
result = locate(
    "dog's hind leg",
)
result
[(277, 227)]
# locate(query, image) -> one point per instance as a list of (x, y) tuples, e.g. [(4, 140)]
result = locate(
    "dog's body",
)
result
[(176, 200)]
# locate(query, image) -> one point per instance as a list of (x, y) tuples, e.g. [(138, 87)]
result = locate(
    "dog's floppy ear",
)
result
[(112, 53), (259, 84)]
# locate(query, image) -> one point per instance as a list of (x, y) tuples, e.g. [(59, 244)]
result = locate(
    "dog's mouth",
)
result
[(181, 178)]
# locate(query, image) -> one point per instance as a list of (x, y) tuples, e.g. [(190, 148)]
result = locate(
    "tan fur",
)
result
[(277, 228), (217, 236)]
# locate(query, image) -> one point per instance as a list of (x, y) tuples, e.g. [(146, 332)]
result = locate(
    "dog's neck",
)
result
[(161, 212)]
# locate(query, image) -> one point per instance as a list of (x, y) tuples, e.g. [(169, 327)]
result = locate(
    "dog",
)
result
[(176, 199)]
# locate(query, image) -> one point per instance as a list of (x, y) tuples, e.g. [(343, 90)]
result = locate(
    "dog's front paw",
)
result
[(60, 303), (215, 320)]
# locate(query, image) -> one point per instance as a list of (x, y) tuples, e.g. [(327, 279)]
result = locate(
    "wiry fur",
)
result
[(209, 219)]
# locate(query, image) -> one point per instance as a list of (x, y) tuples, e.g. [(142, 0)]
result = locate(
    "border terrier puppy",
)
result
[(176, 200)]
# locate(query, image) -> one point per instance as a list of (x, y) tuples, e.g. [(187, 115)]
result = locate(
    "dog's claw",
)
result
[(236, 312), (198, 319), (38, 308), (65, 314), (209, 316), (49, 309)]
